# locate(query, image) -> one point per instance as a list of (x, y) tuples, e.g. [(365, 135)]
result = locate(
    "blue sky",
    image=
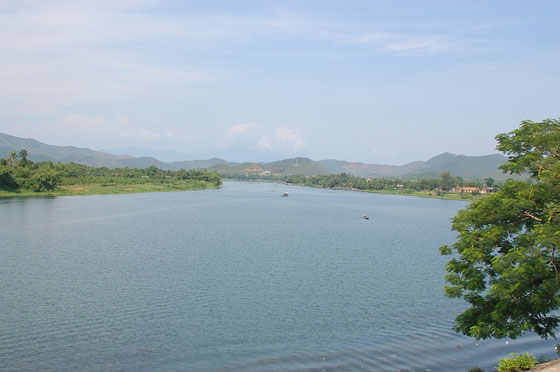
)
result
[(379, 82)]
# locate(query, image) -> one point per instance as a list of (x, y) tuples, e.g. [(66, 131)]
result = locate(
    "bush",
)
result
[(517, 362), (6, 178), (475, 369)]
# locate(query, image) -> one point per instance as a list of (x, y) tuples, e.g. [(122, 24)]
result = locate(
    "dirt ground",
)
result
[(553, 366)]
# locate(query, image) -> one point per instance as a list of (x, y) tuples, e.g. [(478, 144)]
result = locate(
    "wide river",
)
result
[(236, 279)]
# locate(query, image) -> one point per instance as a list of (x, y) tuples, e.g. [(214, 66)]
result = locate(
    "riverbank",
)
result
[(428, 194), (406, 192), (552, 366), (420, 194), (108, 188)]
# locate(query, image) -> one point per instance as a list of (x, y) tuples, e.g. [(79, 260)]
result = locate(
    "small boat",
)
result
[(365, 217), (285, 194)]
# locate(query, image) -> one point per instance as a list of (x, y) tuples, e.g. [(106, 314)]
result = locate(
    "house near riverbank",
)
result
[(466, 189), (471, 190)]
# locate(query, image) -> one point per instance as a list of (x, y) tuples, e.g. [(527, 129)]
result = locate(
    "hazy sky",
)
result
[(382, 82)]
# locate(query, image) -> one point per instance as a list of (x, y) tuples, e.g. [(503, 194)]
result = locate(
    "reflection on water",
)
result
[(237, 279)]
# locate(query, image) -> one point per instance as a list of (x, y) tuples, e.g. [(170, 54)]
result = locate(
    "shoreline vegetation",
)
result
[(20, 177), (112, 188), (445, 187), (404, 192)]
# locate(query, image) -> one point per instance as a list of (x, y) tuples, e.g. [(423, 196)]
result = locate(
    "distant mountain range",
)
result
[(459, 165), (470, 167), (235, 154), (42, 152)]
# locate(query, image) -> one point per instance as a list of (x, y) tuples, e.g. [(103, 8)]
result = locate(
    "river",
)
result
[(235, 279)]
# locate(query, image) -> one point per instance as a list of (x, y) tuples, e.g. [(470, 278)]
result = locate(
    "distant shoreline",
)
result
[(420, 194), (106, 189)]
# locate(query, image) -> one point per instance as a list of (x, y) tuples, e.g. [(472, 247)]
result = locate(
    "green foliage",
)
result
[(517, 362), (23, 158), (475, 369), (446, 181), (505, 262), (44, 180), (6, 178), (47, 176), (12, 159)]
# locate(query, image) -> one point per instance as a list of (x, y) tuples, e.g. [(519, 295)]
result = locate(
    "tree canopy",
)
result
[(505, 260), (46, 176)]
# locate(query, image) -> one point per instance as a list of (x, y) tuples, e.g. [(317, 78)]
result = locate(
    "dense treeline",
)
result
[(19, 173), (445, 183)]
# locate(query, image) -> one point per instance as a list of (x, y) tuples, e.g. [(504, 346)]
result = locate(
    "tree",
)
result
[(12, 158), (152, 171), (506, 257), (489, 182), (6, 178), (446, 181), (44, 179), (23, 158)]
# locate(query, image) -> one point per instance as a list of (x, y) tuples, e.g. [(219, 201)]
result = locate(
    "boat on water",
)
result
[(285, 194), (365, 217)]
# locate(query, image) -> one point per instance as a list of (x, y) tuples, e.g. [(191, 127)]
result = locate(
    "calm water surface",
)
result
[(236, 279)]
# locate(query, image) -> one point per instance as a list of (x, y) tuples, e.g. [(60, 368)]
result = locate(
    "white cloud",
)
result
[(64, 53), (237, 130), (264, 143), (290, 138), (254, 136), (384, 152), (374, 37), (421, 46), (403, 43), (61, 53)]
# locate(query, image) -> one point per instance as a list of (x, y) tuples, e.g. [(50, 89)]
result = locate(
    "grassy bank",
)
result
[(429, 194), (112, 188)]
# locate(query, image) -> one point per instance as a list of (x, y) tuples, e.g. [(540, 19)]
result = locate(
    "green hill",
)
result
[(464, 166), (371, 170), (291, 167), (468, 167), (66, 154), (296, 166)]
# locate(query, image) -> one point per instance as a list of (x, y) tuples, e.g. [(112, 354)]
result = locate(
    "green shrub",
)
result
[(475, 369), (517, 362)]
